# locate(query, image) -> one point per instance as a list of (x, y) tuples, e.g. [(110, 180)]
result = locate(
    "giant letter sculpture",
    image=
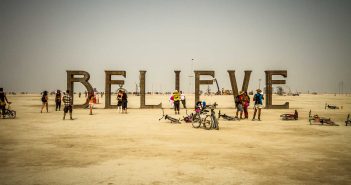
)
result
[(84, 80), (198, 82), (142, 94), (269, 83), (234, 84), (108, 83)]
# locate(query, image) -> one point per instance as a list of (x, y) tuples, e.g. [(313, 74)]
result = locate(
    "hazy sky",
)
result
[(40, 40)]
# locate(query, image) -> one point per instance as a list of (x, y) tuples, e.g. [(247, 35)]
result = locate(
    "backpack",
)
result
[(237, 99)]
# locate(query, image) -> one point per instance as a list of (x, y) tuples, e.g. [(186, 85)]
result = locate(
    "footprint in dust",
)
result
[(110, 183)]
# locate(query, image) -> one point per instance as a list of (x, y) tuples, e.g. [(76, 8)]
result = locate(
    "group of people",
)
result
[(66, 99), (242, 102), (175, 100), (122, 101)]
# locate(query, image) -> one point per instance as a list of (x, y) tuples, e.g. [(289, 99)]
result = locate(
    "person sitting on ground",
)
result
[(3, 100), (58, 100), (176, 97), (67, 101), (258, 104), (239, 104), (44, 100)]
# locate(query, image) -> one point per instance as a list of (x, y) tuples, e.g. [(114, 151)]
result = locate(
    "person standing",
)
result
[(67, 101), (91, 102), (119, 101), (171, 100), (239, 104), (44, 100), (79, 94), (176, 98), (258, 104), (182, 98), (3, 100), (58, 100), (124, 102), (246, 104)]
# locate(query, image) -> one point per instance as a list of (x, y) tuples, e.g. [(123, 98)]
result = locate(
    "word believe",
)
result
[(83, 77)]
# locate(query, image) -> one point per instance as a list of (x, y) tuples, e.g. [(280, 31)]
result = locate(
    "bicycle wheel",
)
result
[(196, 117), (196, 124), (207, 123), (13, 114)]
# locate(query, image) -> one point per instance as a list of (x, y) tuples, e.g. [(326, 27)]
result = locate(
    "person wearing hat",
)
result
[(239, 104), (176, 99), (258, 104), (3, 100)]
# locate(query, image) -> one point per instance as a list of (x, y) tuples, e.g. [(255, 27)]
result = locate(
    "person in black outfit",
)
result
[(3, 100), (58, 100), (124, 102)]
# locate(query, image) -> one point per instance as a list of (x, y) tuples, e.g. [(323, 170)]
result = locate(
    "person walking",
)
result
[(124, 102), (246, 104), (58, 100), (3, 100), (258, 97), (119, 101), (176, 98), (239, 104), (182, 98), (44, 100), (67, 101)]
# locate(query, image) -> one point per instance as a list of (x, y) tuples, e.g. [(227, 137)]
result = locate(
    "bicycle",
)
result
[(208, 121), (8, 113)]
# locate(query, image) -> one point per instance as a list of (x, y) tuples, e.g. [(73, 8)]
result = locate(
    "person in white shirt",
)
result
[(182, 98)]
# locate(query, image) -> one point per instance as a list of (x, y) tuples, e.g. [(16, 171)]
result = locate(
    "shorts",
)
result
[(124, 104), (258, 106), (67, 108), (240, 107), (119, 103)]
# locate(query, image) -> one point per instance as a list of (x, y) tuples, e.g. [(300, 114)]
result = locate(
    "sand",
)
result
[(112, 148)]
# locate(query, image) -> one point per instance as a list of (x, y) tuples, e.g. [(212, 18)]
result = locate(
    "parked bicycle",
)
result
[(208, 121)]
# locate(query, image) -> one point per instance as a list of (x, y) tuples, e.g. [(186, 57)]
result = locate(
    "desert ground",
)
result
[(110, 148)]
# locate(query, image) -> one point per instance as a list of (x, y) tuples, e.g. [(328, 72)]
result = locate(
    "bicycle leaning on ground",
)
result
[(8, 113), (208, 121)]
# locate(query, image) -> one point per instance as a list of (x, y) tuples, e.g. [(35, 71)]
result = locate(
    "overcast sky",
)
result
[(40, 40)]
